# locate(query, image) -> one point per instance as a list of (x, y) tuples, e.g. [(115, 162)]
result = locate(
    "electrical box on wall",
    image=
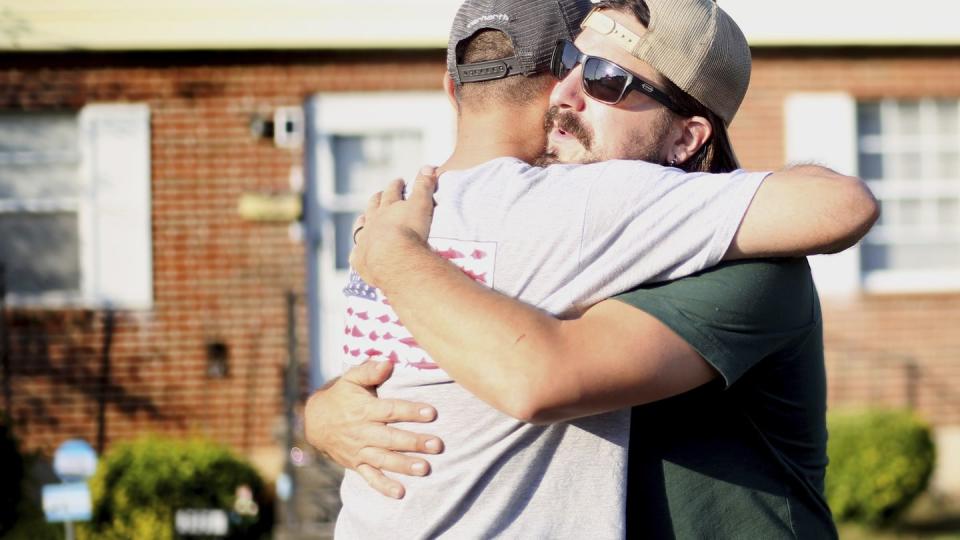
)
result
[(288, 127)]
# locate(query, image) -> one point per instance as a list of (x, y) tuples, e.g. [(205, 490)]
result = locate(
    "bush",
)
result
[(11, 488), (140, 485), (879, 462)]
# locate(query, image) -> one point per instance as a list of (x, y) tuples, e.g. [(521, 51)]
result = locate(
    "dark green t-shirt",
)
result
[(744, 456)]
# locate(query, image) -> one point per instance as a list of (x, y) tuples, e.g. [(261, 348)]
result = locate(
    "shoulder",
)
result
[(749, 276), (737, 313), (767, 293)]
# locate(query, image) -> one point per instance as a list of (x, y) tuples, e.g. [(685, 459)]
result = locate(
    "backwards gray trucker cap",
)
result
[(534, 27)]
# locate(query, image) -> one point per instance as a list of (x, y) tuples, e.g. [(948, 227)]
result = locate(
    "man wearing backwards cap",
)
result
[(504, 477)]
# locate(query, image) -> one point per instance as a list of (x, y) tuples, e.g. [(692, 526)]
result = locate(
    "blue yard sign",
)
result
[(74, 462), (67, 502)]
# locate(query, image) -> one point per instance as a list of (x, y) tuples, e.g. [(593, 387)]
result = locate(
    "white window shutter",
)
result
[(822, 128), (116, 244)]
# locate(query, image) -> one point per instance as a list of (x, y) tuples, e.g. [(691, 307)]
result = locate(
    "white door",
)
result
[(356, 143)]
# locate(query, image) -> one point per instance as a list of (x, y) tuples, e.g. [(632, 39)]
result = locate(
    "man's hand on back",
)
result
[(392, 226), (347, 422)]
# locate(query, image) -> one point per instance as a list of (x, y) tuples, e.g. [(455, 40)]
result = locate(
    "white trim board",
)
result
[(412, 24)]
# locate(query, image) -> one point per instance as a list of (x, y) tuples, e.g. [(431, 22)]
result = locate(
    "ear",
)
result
[(450, 88), (691, 134)]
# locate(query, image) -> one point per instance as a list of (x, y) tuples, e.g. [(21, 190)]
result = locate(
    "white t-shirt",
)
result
[(561, 238)]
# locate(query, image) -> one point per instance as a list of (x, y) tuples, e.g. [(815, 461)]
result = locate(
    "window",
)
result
[(908, 150), (362, 164), (909, 153), (74, 207), (39, 201)]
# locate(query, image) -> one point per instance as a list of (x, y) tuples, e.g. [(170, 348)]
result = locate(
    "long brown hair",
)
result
[(716, 154)]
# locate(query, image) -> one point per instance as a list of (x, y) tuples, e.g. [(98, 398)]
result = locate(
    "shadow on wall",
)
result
[(71, 351)]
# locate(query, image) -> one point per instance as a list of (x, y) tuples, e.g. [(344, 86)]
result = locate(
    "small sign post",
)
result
[(74, 462)]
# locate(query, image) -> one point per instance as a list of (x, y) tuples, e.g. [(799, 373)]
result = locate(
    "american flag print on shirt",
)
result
[(373, 330)]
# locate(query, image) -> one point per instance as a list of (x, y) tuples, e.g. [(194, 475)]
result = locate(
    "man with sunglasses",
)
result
[(656, 362)]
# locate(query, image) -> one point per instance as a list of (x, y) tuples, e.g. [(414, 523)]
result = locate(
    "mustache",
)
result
[(569, 123)]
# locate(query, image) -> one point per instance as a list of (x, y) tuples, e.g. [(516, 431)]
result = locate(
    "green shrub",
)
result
[(879, 462), (11, 488), (140, 485)]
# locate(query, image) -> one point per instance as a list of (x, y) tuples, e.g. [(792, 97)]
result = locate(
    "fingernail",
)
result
[(397, 493), (433, 445), (427, 170), (419, 467), (426, 412)]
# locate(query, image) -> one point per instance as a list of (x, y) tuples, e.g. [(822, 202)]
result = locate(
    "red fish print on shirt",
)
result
[(410, 342), (482, 278), (450, 254), (370, 314), (423, 364)]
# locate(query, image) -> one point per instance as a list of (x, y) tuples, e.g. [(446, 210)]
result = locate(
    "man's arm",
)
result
[(521, 335), (805, 210), (535, 367), (529, 364)]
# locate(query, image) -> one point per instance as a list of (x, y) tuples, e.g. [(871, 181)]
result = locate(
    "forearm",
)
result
[(519, 359), (499, 348), (805, 210), (530, 365)]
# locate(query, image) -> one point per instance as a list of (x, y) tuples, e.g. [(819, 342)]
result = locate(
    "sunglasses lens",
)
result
[(565, 58), (603, 80)]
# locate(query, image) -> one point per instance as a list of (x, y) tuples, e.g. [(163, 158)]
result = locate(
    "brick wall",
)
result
[(861, 72), (900, 350), (219, 279), (897, 350)]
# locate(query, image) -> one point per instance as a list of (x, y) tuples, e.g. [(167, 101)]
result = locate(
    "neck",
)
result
[(483, 135)]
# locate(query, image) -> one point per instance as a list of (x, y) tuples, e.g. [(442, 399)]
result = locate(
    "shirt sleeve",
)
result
[(737, 313), (643, 223)]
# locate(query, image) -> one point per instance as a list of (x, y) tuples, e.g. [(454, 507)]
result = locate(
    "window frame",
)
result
[(927, 190), (821, 127), (48, 206), (113, 208), (353, 114)]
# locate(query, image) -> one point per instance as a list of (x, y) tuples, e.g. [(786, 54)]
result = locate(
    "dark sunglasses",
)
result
[(603, 80)]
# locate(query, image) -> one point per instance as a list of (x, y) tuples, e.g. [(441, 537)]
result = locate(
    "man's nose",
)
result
[(568, 94)]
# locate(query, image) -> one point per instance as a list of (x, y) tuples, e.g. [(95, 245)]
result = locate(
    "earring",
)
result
[(673, 162)]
